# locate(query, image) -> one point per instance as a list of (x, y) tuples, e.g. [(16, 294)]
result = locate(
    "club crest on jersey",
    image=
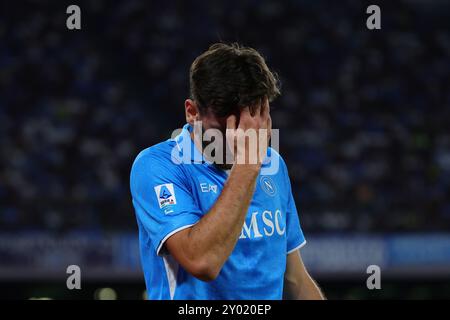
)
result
[(268, 185), (166, 195)]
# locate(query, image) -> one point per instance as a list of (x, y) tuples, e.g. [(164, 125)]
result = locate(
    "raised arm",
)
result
[(203, 248)]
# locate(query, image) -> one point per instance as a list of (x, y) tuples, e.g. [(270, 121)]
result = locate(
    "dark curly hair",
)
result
[(228, 77)]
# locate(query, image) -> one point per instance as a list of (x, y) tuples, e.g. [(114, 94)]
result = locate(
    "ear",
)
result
[(192, 111)]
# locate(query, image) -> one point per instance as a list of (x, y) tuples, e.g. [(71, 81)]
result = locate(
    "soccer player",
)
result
[(212, 229)]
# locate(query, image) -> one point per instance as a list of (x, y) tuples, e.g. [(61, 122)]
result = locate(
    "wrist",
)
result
[(252, 169)]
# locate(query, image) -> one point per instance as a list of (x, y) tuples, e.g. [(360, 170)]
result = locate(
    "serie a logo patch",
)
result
[(166, 195)]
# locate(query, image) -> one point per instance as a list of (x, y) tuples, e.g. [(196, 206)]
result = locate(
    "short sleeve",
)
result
[(294, 233), (162, 198)]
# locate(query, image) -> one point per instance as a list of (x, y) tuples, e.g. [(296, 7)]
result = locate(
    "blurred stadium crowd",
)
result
[(364, 116)]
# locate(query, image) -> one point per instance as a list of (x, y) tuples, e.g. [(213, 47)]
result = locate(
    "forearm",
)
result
[(298, 284), (214, 237), (306, 289), (309, 290)]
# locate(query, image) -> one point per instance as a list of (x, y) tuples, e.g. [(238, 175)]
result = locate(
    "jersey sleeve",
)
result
[(294, 232), (162, 198)]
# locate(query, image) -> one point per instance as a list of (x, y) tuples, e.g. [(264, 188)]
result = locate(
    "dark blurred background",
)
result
[(364, 121)]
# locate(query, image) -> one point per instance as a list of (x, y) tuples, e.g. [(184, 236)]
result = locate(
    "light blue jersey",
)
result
[(169, 196)]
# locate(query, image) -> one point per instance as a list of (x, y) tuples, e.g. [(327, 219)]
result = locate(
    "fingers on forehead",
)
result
[(265, 107), (255, 107), (231, 121), (258, 106), (246, 110)]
